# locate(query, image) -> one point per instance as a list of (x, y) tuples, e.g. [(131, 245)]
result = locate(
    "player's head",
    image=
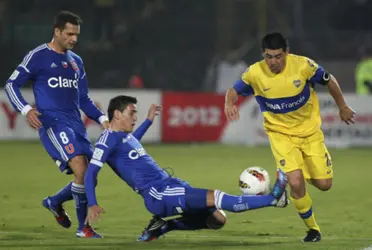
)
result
[(275, 50), (122, 112), (66, 29)]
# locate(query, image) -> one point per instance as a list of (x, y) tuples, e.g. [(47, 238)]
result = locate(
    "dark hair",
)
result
[(274, 41), (64, 17), (119, 103)]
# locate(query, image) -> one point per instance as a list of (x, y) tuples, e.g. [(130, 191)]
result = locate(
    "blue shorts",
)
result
[(170, 199), (64, 143)]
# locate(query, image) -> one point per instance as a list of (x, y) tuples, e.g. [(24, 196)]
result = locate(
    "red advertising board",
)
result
[(192, 117)]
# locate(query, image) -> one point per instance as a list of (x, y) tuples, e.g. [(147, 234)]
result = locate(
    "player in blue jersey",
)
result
[(60, 90), (163, 195)]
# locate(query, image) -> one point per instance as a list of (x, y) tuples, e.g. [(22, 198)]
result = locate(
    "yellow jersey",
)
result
[(287, 100)]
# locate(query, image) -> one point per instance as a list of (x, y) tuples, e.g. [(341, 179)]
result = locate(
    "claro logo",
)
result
[(60, 82)]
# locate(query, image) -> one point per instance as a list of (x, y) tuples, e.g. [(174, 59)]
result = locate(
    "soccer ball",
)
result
[(254, 181)]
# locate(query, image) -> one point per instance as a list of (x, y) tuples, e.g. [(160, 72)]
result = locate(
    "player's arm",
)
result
[(317, 74), (240, 88), (86, 103), (21, 75), (142, 129), (103, 148)]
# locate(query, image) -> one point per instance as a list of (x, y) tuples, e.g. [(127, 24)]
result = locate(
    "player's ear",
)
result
[(117, 114), (57, 32)]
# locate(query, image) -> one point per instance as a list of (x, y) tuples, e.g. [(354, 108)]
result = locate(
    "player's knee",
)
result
[(217, 220), (296, 180), (79, 165), (323, 185)]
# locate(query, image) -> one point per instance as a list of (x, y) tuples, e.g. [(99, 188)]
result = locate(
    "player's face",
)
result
[(275, 59), (128, 118), (68, 37)]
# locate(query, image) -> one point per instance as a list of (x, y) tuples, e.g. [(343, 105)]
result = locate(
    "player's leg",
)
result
[(318, 171), (241, 203), (201, 199), (55, 203), (289, 158), (181, 200), (318, 162), (211, 218), (79, 165), (208, 219), (73, 150)]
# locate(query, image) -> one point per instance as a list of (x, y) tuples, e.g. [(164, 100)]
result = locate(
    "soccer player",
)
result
[(60, 90), (163, 195), (284, 87)]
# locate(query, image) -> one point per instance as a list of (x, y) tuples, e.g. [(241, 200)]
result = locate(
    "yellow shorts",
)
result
[(306, 153)]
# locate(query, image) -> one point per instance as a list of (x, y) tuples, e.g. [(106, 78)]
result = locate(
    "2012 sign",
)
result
[(191, 116)]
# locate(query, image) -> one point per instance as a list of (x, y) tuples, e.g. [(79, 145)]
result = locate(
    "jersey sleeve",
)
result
[(21, 75), (243, 86), (85, 102), (104, 146), (314, 72), (142, 129)]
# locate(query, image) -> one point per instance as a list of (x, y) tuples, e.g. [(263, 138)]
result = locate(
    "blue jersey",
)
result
[(128, 159), (59, 85)]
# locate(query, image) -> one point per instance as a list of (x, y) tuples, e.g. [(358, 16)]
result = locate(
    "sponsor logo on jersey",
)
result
[(61, 82), (284, 104), (134, 154)]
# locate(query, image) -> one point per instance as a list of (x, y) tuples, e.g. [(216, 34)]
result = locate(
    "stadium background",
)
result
[(164, 51)]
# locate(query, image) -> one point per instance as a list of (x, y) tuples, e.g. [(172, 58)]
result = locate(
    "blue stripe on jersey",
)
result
[(286, 104), (242, 88), (317, 77)]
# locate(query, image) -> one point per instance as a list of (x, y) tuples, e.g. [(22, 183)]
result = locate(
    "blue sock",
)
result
[(63, 195), (81, 203), (241, 203)]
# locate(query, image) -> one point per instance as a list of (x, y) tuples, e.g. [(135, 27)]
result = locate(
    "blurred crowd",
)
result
[(180, 44)]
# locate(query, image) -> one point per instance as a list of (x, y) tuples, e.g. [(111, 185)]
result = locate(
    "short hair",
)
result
[(64, 17), (119, 103), (274, 41)]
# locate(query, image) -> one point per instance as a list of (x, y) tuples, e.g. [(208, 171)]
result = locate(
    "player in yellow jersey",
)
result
[(283, 85)]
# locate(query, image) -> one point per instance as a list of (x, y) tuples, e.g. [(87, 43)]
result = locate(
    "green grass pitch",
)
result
[(28, 175)]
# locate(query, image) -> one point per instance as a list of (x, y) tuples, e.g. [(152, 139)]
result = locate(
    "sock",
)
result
[(81, 203), (241, 203), (304, 209), (63, 195)]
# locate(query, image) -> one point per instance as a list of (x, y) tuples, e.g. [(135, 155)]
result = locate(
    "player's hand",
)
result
[(105, 125), (154, 111), (33, 120), (347, 115), (94, 214), (232, 112)]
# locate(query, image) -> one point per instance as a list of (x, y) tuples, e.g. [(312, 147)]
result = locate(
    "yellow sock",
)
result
[(304, 209)]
